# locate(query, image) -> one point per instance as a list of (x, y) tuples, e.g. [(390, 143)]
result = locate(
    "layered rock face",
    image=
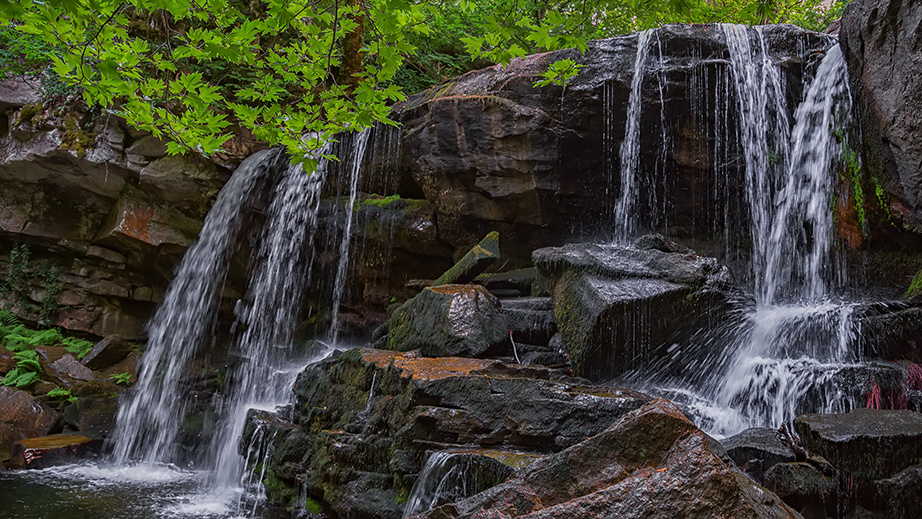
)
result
[(492, 152), (881, 43), (93, 216)]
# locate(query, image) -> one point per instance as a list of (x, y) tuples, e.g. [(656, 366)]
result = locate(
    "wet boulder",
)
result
[(618, 307), (756, 450), (868, 444), (67, 369), (21, 417), (108, 352), (891, 330), (531, 319), (651, 463), (804, 487), (900, 494), (448, 321)]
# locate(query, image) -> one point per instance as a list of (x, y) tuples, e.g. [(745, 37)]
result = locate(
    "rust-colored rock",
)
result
[(47, 451)]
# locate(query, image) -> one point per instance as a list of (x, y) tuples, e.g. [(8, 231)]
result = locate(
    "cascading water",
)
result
[(781, 358), (262, 364), (339, 287), (148, 423), (263, 367), (796, 340), (630, 147), (763, 136)]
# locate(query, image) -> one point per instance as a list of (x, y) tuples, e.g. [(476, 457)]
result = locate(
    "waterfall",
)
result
[(763, 135), (339, 286), (148, 424), (789, 352), (262, 370), (803, 224), (781, 357), (262, 361), (789, 349), (625, 213)]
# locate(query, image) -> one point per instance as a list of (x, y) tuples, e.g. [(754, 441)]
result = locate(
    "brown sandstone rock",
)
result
[(652, 463)]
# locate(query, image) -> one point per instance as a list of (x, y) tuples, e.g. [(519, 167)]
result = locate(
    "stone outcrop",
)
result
[(881, 43), (366, 420), (101, 211), (618, 307), (652, 463)]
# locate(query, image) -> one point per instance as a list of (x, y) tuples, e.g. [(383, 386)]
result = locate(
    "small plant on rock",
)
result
[(77, 347), (63, 394), (122, 379)]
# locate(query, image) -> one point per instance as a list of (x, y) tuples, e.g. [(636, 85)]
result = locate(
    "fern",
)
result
[(8, 319), (21, 338), (28, 370), (62, 393), (78, 347)]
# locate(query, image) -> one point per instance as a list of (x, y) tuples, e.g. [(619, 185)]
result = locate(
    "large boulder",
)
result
[(758, 449), (618, 307), (448, 321), (881, 43), (108, 352), (21, 417), (365, 421), (876, 456), (652, 463), (869, 444), (803, 486)]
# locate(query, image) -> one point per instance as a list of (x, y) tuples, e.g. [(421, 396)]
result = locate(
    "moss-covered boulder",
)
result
[(364, 422), (473, 263), (448, 321)]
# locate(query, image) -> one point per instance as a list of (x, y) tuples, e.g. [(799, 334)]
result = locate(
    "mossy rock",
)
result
[(449, 321), (473, 263)]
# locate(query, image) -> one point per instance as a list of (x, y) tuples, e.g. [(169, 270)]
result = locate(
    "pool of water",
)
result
[(88, 491)]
